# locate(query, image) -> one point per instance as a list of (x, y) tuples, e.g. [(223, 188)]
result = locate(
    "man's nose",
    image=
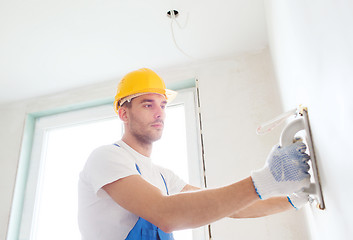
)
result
[(159, 113)]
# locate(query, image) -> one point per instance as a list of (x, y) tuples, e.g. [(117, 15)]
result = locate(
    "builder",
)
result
[(123, 195)]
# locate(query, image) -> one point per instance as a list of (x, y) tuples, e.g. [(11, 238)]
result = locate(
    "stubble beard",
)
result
[(145, 137)]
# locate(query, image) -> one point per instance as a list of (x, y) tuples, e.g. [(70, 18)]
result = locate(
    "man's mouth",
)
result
[(158, 124)]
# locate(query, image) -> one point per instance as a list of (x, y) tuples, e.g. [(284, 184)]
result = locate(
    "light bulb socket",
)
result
[(169, 13)]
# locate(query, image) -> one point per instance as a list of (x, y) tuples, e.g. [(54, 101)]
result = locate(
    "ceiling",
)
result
[(51, 46)]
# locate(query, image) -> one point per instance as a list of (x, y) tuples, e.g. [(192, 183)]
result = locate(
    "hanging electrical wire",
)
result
[(173, 15)]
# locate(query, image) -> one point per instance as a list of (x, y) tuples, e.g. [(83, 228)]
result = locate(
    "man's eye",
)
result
[(148, 105), (163, 107)]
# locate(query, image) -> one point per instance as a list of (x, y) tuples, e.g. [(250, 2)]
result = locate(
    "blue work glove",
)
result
[(285, 171), (299, 199)]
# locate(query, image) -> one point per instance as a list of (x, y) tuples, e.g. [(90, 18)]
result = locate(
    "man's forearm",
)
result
[(183, 210), (263, 208), (195, 209)]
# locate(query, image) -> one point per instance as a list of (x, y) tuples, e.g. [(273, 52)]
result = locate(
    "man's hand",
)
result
[(299, 199), (285, 171)]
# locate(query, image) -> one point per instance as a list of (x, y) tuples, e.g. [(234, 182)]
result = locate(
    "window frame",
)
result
[(22, 211)]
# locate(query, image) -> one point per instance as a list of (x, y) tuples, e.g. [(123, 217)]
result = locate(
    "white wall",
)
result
[(312, 47), (236, 96)]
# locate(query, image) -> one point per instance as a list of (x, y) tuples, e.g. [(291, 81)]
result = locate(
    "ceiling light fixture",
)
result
[(172, 13)]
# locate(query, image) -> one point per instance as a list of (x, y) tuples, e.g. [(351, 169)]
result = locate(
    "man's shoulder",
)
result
[(108, 151)]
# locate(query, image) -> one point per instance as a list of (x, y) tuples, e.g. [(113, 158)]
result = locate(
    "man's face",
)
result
[(145, 117)]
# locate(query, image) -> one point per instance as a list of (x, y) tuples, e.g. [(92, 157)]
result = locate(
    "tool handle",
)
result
[(288, 137), (288, 133)]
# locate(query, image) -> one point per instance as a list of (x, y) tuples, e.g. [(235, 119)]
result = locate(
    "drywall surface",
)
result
[(312, 47), (237, 95)]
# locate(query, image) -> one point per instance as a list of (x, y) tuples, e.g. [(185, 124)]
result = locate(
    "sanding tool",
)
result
[(299, 126)]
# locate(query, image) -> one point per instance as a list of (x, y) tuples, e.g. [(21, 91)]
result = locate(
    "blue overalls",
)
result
[(144, 230)]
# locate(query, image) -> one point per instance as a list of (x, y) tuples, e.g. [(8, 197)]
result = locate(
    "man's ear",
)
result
[(123, 114)]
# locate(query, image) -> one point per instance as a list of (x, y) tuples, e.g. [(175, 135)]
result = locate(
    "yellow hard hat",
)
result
[(140, 82)]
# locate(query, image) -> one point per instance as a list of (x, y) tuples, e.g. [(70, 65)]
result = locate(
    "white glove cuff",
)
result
[(266, 186), (264, 183), (298, 200)]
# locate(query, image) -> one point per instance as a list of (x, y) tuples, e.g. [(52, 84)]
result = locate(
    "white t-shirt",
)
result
[(99, 217)]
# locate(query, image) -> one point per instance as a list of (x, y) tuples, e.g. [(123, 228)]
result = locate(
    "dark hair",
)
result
[(127, 104)]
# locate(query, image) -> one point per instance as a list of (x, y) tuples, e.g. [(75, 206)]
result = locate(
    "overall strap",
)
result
[(165, 183), (137, 168)]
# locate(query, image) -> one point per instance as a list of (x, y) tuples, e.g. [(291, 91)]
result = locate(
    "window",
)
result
[(62, 143)]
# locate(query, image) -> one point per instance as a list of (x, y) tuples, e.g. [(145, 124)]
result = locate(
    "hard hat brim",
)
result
[(170, 95)]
